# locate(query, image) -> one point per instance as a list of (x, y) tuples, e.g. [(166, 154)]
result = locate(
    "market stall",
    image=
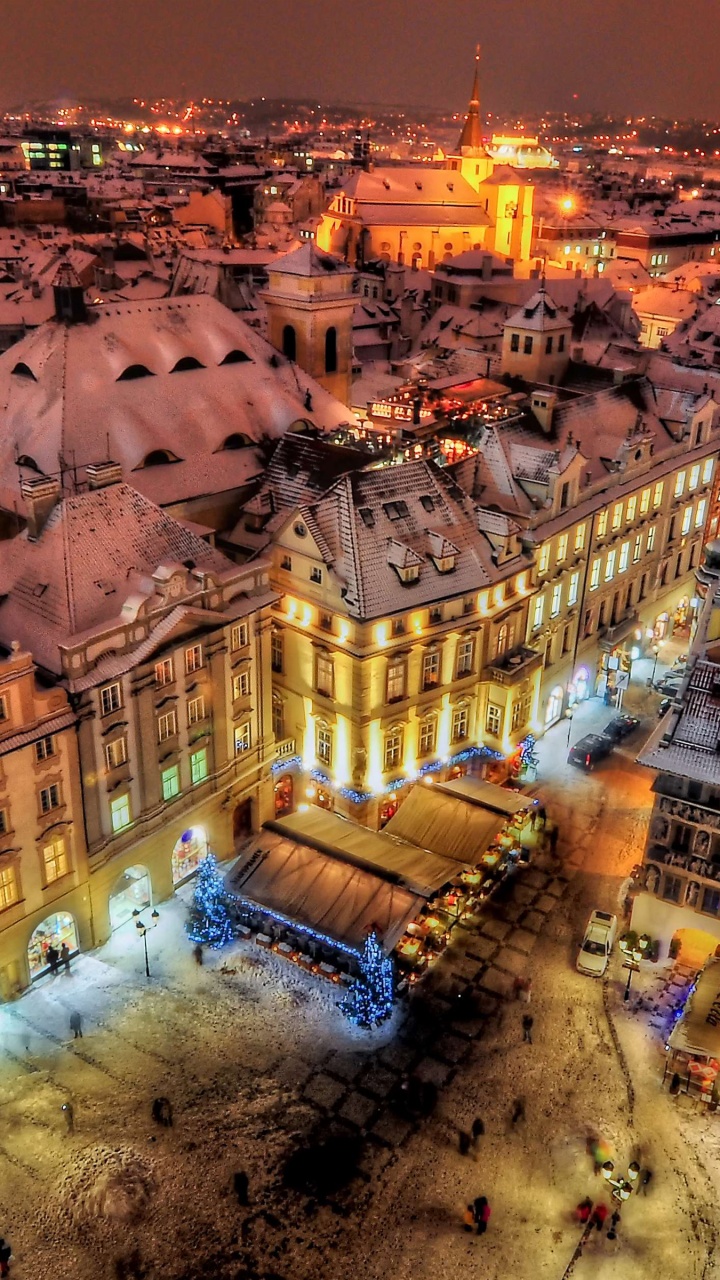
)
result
[(693, 1047)]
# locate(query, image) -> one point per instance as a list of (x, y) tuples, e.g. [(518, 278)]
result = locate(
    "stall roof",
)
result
[(322, 893), (446, 823), (695, 1032), (487, 794), (421, 870)]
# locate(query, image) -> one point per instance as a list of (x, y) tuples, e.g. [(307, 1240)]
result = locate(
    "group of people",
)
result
[(477, 1215), (56, 958), (594, 1217)]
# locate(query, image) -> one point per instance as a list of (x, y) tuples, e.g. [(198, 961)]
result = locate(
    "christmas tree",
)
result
[(210, 923), (370, 998)]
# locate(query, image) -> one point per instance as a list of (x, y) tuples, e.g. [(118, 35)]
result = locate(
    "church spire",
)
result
[(471, 136)]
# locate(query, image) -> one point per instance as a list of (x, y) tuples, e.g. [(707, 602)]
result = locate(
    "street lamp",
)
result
[(656, 651), (142, 930), (621, 1187)]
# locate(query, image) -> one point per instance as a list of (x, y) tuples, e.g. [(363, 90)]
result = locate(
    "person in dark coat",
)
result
[(646, 1180), (52, 956), (463, 1142), (599, 1214), (65, 956), (76, 1025), (518, 1111), (481, 1213), (527, 1026), (240, 1186), (69, 1113), (584, 1209), (5, 1256), (477, 1131), (198, 953)]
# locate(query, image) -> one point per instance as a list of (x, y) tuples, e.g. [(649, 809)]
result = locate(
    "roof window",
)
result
[(22, 370), (134, 371), (158, 458), (236, 356), (367, 517), (427, 502), (237, 441), (186, 362), (395, 510)]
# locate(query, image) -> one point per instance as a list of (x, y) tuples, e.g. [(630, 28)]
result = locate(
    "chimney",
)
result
[(40, 497), (101, 474), (543, 405), (36, 289)]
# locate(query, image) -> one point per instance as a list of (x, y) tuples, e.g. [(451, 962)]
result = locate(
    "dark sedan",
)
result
[(620, 727), (593, 747)]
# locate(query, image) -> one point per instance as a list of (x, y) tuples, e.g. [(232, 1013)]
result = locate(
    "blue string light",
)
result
[(255, 908), (286, 766), (370, 998), (210, 922)]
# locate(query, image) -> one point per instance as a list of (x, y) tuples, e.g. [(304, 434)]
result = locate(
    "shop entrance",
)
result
[(132, 892), (693, 946), (53, 932), (284, 796), (188, 853), (242, 821), (554, 705)]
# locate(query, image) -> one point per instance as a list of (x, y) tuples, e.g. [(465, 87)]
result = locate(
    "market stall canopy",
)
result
[(445, 823), (322, 893), (418, 869), (487, 794), (698, 1030)]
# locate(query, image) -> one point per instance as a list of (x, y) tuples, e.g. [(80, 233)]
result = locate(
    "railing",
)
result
[(515, 665), (285, 749)]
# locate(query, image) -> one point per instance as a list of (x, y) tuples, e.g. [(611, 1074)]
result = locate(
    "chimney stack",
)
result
[(40, 496), (101, 474)]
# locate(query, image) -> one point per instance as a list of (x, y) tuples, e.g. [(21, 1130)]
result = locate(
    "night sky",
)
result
[(644, 56)]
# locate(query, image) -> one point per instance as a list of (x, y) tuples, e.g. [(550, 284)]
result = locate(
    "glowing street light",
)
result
[(142, 931), (567, 204), (621, 1187)]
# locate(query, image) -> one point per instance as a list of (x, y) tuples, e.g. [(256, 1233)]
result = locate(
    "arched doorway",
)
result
[(132, 891), (188, 853), (242, 822), (284, 795), (554, 705), (331, 350), (53, 932), (582, 684), (289, 342)]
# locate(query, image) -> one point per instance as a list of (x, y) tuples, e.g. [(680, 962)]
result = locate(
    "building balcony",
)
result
[(515, 665), (285, 749), (611, 637)]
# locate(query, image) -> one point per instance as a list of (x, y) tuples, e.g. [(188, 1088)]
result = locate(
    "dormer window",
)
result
[(444, 553), (410, 573)]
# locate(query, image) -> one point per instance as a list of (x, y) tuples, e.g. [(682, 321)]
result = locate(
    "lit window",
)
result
[(167, 726), (459, 729), (555, 602), (580, 538), (679, 483), (610, 565), (242, 738), (651, 538), (700, 513), (120, 812), (538, 611), (196, 710), (493, 720), (637, 549), (193, 658), (544, 558), (396, 681), (50, 798), (426, 738), (694, 476), (514, 341), (431, 669), (644, 502), (278, 717), (164, 673), (687, 520), (241, 685), (110, 699), (527, 345), (44, 748), (707, 470), (562, 547), (324, 674), (198, 766), (115, 753), (393, 749), (8, 887), (3, 707), (617, 516), (276, 652), (55, 860), (631, 508), (573, 588), (602, 523), (324, 744), (170, 782), (595, 574), (464, 663), (624, 557), (239, 636), (658, 493)]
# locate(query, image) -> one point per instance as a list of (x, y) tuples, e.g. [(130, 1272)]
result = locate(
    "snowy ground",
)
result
[(258, 1062)]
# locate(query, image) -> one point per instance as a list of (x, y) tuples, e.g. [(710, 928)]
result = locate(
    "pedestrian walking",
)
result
[(526, 989), (646, 1180), (241, 1186), (583, 1210), (553, 838), (599, 1214), (76, 1025), (615, 1219), (52, 956), (542, 815), (481, 1214), (198, 953), (162, 1112), (463, 1142), (527, 1026), (534, 818), (65, 956), (477, 1131), (69, 1113), (675, 1085), (518, 1111), (5, 1256)]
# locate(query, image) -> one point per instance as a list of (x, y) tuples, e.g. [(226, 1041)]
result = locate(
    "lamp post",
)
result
[(656, 651), (631, 960), (142, 930), (621, 1187)]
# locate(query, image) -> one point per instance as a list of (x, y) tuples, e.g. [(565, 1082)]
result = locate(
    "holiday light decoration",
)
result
[(369, 1000), (209, 923)]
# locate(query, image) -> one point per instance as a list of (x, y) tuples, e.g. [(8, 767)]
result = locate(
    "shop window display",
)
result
[(188, 853), (53, 932), (132, 892)]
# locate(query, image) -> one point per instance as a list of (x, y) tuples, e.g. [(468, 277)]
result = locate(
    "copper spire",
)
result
[(471, 136)]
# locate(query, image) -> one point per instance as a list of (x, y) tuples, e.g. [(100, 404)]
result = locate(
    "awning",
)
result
[(445, 823), (322, 893), (418, 869), (698, 1030), (487, 794)]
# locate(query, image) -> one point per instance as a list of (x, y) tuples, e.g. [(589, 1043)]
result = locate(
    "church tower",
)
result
[(310, 304), (471, 159)]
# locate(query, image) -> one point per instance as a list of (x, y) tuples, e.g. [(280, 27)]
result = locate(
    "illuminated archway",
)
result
[(53, 932), (188, 853), (132, 891), (553, 711)]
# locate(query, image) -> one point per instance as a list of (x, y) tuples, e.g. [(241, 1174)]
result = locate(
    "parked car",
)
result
[(597, 944), (620, 727), (669, 684), (664, 707), (593, 747)]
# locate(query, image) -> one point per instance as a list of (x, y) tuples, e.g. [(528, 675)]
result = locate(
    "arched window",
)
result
[(237, 441), (187, 362), (331, 350), (25, 460), (289, 342), (22, 370), (235, 357), (134, 371), (158, 458)]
